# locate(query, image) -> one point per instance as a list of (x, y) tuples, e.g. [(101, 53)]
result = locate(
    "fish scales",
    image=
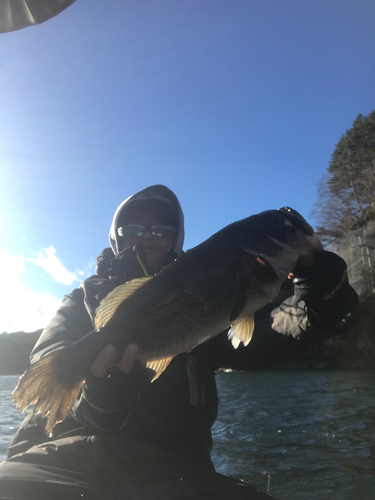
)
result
[(217, 284), (169, 313)]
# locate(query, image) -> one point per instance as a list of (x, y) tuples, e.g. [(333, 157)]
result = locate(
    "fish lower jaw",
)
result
[(272, 290), (256, 301), (283, 273)]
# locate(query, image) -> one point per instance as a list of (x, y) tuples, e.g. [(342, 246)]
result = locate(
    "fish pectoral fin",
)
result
[(108, 306), (242, 330), (158, 366)]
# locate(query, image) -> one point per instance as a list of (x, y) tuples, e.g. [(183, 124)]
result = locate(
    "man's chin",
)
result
[(152, 265)]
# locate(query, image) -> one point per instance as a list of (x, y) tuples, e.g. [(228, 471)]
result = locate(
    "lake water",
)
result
[(304, 435)]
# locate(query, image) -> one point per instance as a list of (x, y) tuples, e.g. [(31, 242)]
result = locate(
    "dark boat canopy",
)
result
[(18, 14)]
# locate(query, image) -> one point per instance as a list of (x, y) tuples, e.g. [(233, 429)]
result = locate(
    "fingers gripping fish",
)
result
[(216, 285)]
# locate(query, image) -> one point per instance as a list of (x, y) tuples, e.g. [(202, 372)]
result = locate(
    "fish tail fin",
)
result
[(241, 330), (158, 366), (40, 384)]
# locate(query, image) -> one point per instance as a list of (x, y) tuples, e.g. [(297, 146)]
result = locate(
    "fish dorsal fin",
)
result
[(159, 366), (241, 330), (108, 306)]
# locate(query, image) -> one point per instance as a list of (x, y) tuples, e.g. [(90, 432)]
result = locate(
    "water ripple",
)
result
[(311, 434)]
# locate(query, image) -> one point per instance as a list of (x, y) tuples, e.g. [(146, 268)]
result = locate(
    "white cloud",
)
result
[(13, 265), (51, 264), (22, 309), (27, 310)]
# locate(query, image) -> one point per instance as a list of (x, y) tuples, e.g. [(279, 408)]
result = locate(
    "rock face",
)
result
[(15, 350)]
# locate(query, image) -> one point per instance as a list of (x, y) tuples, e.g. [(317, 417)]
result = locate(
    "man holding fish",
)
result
[(125, 371)]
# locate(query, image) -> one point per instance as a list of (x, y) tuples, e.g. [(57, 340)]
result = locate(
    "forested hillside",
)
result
[(345, 216)]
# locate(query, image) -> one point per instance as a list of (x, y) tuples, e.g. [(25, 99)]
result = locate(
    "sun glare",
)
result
[(22, 309)]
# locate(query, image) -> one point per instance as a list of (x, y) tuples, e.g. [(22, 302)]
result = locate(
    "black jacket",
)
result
[(177, 411)]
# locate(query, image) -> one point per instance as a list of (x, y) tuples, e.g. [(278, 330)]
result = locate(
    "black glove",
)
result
[(322, 280), (106, 401), (332, 303)]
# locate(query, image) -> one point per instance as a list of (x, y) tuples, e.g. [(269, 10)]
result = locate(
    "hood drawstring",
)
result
[(141, 263)]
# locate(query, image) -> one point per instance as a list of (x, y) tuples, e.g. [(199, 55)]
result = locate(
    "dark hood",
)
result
[(162, 195)]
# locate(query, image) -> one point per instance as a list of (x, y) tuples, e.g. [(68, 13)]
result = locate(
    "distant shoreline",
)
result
[(344, 352)]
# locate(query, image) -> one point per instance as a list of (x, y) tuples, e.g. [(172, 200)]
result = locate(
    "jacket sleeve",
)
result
[(323, 305), (104, 403)]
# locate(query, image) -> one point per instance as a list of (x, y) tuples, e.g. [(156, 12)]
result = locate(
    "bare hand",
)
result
[(108, 358)]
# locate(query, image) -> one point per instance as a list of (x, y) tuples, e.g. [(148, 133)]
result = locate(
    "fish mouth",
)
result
[(259, 268), (276, 242)]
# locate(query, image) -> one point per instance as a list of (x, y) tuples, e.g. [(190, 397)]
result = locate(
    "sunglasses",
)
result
[(136, 231)]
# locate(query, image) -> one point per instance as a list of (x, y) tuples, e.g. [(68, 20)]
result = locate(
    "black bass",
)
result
[(216, 285)]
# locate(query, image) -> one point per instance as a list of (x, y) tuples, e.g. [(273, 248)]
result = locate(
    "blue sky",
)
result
[(235, 105)]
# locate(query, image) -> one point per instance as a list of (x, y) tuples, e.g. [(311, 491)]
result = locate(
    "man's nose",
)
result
[(147, 235)]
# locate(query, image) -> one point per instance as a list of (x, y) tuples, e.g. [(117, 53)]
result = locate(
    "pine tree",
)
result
[(346, 195)]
